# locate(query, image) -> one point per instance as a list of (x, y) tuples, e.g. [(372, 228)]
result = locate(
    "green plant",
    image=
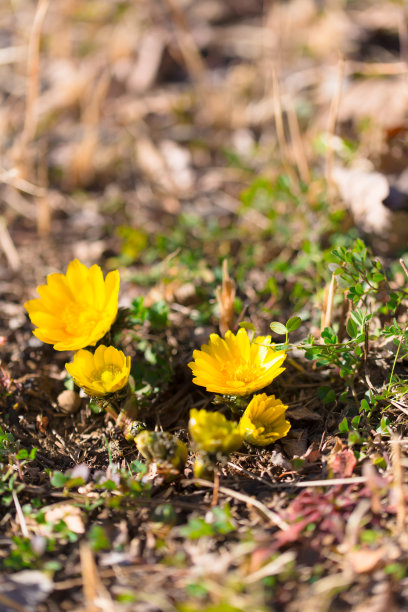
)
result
[(218, 521)]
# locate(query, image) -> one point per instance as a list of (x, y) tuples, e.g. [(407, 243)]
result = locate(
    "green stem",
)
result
[(395, 360)]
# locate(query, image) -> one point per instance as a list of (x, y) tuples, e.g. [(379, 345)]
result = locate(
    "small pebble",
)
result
[(69, 402)]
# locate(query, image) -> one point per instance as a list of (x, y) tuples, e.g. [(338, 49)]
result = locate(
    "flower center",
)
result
[(244, 372), (107, 375), (79, 317)]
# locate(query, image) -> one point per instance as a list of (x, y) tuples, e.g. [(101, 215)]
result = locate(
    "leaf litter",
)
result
[(166, 119)]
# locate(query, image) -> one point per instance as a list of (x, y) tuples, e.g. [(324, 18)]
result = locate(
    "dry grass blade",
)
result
[(7, 246), (97, 598), (273, 568), (398, 484), (331, 128), (20, 515), (33, 74), (225, 295), (297, 143), (271, 516), (328, 304), (277, 106), (191, 55)]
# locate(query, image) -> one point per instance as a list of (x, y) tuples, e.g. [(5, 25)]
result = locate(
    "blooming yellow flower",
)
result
[(105, 371), (235, 365), (75, 309), (263, 421), (213, 433)]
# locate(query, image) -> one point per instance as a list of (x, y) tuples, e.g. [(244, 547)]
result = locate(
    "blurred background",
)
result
[(163, 137)]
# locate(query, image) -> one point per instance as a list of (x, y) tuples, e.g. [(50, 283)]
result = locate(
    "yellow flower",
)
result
[(75, 309), (235, 365), (213, 433), (105, 371), (263, 421)]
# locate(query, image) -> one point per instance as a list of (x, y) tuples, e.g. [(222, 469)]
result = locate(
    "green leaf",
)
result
[(344, 426), (137, 467), (22, 454), (279, 328), (326, 394), (352, 328), (196, 528), (355, 422), (354, 438), (248, 326), (293, 323), (98, 538), (365, 406), (59, 479), (158, 315)]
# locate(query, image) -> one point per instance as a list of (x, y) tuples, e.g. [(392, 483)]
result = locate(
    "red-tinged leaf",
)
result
[(342, 464), (282, 538)]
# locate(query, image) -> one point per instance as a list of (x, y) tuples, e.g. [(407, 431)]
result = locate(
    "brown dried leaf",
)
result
[(342, 463), (365, 559)]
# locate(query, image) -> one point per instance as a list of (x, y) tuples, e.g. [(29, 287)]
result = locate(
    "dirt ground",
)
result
[(132, 136)]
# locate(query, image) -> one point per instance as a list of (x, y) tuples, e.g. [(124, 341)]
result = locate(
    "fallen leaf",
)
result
[(366, 560), (342, 464)]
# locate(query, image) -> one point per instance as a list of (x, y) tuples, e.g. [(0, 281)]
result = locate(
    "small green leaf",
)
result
[(326, 394), (354, 438), (355, 422), (344, 426), (365, 406), (58, 479), (248, 326), (352, 328), (22, 454), (98, 538), (279, 328), (293, 324)]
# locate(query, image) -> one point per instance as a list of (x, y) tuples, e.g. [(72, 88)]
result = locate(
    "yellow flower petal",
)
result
[(101, 373), (234, 365), (77, 309), (213, 433), (263, 421)]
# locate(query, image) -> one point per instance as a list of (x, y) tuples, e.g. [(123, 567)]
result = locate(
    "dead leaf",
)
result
[(365, 559), (365, 193), (342, 464), (68, 513), (303, 414)]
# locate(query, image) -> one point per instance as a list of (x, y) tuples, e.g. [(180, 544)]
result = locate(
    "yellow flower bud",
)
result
[(213, 433), (164, 449), (263, 421)]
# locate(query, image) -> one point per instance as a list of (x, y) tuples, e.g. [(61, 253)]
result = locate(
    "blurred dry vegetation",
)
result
[(162, 137)]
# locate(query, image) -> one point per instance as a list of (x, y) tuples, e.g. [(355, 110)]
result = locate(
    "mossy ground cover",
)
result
[(162, 140)]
